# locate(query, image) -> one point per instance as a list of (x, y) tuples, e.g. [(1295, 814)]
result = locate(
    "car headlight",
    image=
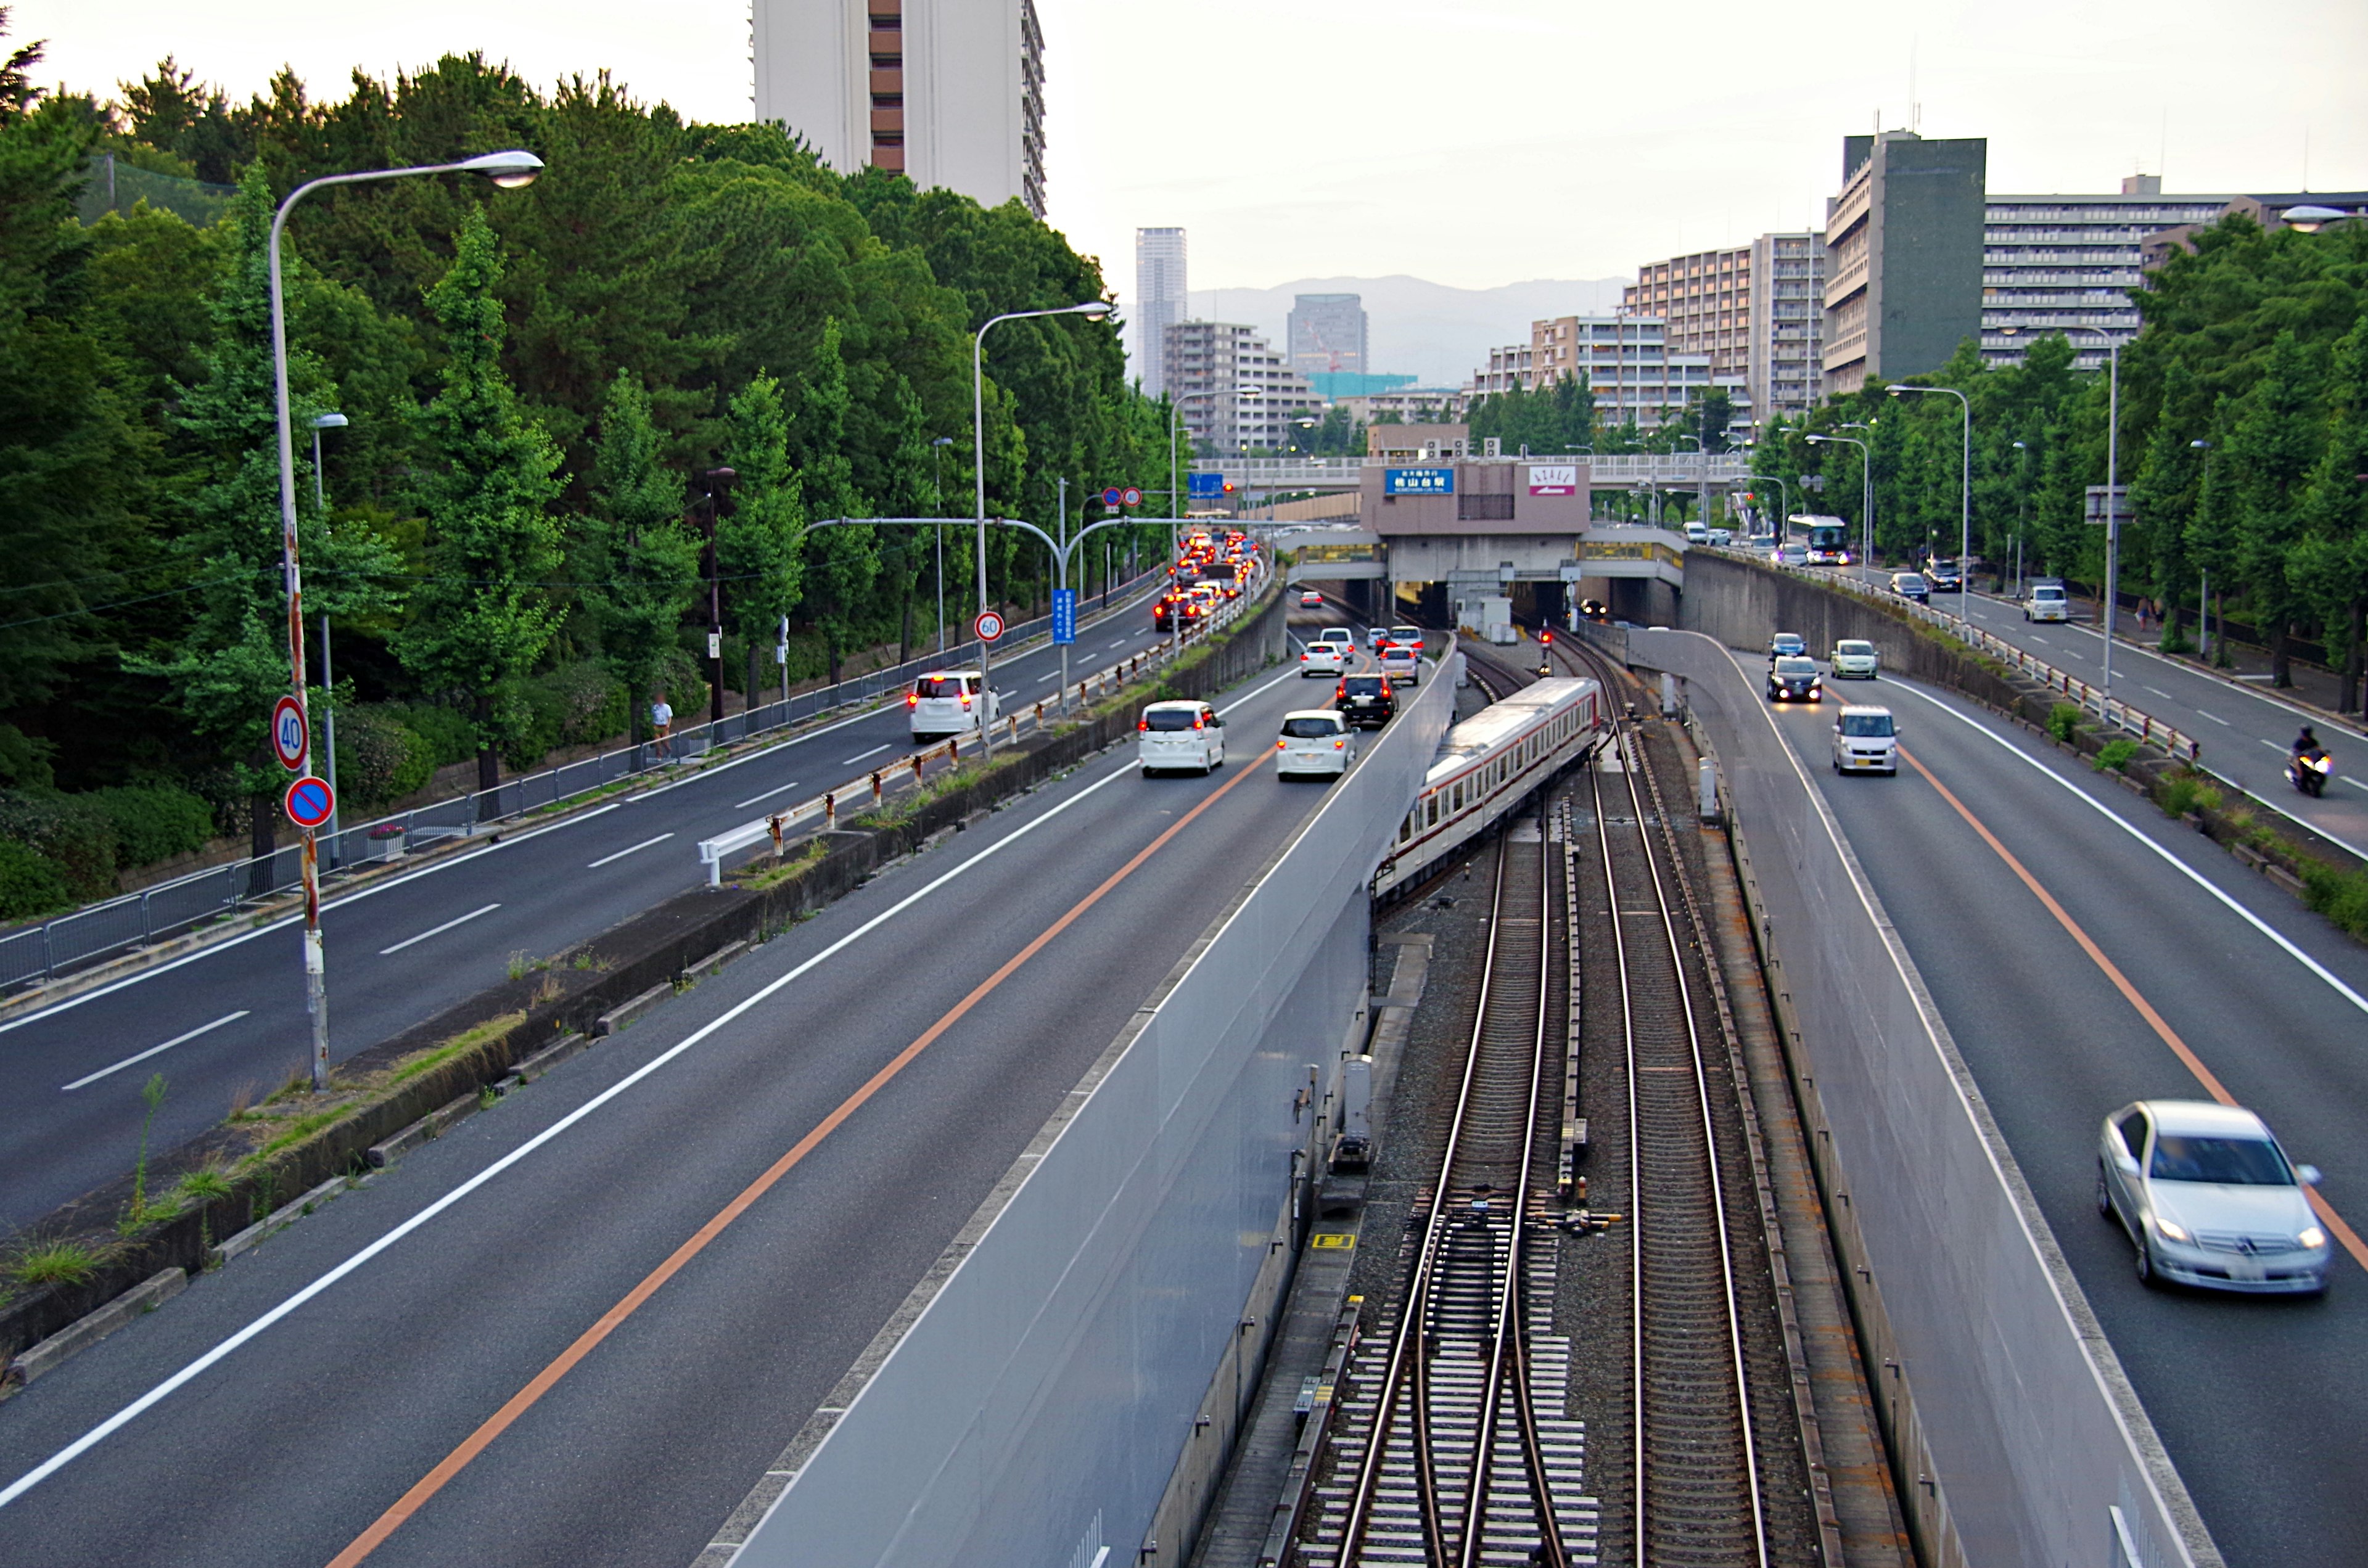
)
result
[(2175, 1232), (2312, 1238)]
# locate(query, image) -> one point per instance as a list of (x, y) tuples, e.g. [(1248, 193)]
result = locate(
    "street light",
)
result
[(510, 170), (328, 674), (938, 488), (1965, 515), (323, 422), (1865, 489), (978, 466), (2113, 488), (714, 481)]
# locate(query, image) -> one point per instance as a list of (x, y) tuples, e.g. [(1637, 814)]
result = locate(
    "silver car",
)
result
[(2209, 1198)]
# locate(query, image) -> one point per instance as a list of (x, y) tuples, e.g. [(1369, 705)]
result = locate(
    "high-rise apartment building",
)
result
[(1903, 256), (1234, 393), (1628, 363), (1327, 333), (950, 92), (1158, 302), (1705, 300), (1754, 312)]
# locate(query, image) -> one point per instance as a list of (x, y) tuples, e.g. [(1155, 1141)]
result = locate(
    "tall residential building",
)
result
[(1705, 299), (1755, 311), (950, 92), (1327, 333), (1158, 301), (1903, 257), (1233, 393), (2056, 262), (1628, 364)]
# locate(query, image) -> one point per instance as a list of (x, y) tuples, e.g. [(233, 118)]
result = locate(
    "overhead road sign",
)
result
[(310, 802), (288, 740), (987, 626), (1208, 486)]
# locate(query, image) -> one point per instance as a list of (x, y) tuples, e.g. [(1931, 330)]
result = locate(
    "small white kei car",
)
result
[(1401, 664), (1854, 659), (1329, 653), (1316, 742), (1179, 735), (949, 702), (2209, 1198), (1866, 740)]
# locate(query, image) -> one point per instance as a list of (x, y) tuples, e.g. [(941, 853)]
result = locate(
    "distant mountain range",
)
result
[(1426, 330)]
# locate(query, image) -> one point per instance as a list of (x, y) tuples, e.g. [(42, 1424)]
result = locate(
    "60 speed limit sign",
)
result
[(987, 626)]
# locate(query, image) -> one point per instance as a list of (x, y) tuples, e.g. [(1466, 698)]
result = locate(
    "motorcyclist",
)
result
[(2304, 742)]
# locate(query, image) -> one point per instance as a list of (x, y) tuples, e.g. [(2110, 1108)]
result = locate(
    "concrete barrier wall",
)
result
[(1036, 1407), (2019, 1440)]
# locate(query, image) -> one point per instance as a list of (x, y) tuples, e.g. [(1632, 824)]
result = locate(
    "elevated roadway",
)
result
[(2213, 971), (229, 1019), (579, 1327)]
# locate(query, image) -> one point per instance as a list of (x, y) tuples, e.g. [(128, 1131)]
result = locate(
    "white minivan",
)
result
[(949, 702), (1866, 740), (1180, 734), (2046, 601), (1317, 742), (1401, 664)]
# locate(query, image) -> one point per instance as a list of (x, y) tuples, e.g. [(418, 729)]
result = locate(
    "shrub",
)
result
[(2188, 794), (450, 734), (2341, 895), (54, 1263), (30, 883), (2062, 719), (155, 821), (70, 832), (2116, 755), (380, 759), (533, 720), (591, 703)]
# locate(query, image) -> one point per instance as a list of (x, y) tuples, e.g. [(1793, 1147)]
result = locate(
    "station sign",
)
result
[(1064, 615), (1554, 479), (1417, 481)]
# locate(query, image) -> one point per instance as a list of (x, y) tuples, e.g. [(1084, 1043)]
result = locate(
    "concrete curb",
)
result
[(85, 1332), (434, 1124), (279, 1219)]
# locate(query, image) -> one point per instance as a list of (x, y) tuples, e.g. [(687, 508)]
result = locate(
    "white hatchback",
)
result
[(1316, 742), (1180, 734), (1401, 664), (949, 702), (1854, 659), (1330, 654)]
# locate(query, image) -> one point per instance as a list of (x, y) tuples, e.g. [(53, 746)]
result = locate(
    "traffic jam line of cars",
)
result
[(2203, 1190)]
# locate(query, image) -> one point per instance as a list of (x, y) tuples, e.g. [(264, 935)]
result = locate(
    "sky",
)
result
[(1473, 144)]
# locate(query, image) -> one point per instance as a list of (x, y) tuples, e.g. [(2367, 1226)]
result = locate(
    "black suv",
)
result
[(1366, 701)]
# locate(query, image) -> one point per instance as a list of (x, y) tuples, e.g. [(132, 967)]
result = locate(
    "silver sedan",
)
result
[(2209, 1198)]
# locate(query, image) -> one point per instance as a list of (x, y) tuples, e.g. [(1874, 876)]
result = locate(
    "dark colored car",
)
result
[(1787, 645), (1366, 701), (1912, 585), (1944, 576), (1794, 680)]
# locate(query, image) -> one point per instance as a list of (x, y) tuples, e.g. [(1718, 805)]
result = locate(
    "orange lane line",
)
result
[(2334, 1221), (542, 1382)]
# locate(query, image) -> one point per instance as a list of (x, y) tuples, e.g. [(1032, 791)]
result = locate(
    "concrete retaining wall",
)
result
[(1040, 1399)]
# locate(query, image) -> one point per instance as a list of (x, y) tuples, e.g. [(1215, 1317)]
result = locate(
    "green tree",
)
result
[(842, 560), (760, 545), (484, 614), (2329, 567), (643, 557), (2276, 443)]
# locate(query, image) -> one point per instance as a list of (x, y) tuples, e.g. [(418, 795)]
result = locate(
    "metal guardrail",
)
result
[(102, 931), (2126, 717)]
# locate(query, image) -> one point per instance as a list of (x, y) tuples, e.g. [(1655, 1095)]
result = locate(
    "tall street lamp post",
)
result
[(2021, 509), (713, 484), (2113, 488), (2203, 587), (1965, 513), (978, 466), (1865, 461), (328, 674), (938, 487), (509, 170)]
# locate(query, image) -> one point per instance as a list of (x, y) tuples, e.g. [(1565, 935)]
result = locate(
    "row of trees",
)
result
[(2243, 441), (539, 386)]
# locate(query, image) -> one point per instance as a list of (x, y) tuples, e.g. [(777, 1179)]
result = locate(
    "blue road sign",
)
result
[(1109, 496), (1208, 487), (1064, 615), (1417, 481), (310, 802)]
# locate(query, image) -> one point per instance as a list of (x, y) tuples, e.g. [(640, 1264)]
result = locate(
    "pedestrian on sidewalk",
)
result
[(662, 724)]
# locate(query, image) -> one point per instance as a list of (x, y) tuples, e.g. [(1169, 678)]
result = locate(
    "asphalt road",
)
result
[(231, 1019), (2258, 1400), (2245, 728), (284, 1403)]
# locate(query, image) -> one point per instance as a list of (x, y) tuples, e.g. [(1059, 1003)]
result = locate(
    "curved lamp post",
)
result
[(510, 170), (1865, 461), (1965, 514)]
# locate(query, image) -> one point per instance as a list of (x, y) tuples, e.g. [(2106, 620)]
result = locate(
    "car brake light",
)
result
[(965, 699), (912, 699), (1142, 725), (1197, 725)]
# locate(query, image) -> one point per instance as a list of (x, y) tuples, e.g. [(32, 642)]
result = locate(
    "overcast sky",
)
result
[(1475, 143)]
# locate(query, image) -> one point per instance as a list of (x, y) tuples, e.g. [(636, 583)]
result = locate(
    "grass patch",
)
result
[(435, 1056), (2341, 895), (2062, 721), (2190, 792), (790, 866), (2116, 755), (294, 1131), (204, 1186), (38, 1264)]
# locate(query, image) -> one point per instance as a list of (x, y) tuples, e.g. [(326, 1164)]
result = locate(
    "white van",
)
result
[(1866, 740), (1180, 734), (951, 702), (1401, 664), (2046, 601), (1697, 533), (1316, 742)]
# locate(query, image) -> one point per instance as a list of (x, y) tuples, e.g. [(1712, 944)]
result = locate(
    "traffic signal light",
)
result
[(1545, 637)]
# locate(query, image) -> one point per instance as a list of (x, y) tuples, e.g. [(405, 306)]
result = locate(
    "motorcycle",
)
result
[(2307, 770)]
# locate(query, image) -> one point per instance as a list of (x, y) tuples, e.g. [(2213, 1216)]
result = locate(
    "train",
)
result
[(1488, 765), (1826, 539)]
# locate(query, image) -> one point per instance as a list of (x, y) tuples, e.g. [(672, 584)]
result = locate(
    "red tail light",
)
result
[(912, 699), (1197, 725), (1142, 726), (965, 699)]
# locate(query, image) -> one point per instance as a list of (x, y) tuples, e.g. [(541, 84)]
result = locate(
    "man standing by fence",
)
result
[(662, 724)]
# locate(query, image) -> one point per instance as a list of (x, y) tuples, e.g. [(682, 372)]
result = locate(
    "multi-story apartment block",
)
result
[(1232, 391), (1327, 333), (1158, 301), (2052, 263), (950, 92), (1754, 312), (1705, 298), (1628, 364), (1903, 256)]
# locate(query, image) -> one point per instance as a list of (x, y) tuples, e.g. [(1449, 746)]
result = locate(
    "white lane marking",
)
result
[(2038, 639), (2216, 718), (2184, 870), (740, 805), (620, 853), (156, 1049), (859, 756), (1122, 641), (2272, 744), (2353, 782), (162, 1391), (712, 769), (287, 920), (439, 930), (2163, 695), (1048, 674)]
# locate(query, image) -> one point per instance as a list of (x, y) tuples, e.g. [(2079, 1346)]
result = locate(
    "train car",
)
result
[(1826, 539), (1487, 766)]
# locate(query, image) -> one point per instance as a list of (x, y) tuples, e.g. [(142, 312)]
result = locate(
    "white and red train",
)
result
[(1487, 766)]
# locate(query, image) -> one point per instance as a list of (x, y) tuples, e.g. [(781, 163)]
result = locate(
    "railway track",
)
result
[(1454, 1448)]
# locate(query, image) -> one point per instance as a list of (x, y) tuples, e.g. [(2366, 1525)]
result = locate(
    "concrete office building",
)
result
[(1234, 393), (949, 92), (1627, 360), (1755, 313), (1327, 333), (1903, 257), (1158, 302)]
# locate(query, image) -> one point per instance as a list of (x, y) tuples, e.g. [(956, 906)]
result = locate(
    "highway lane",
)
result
[(2257, 1400), (288, 1448), (231, 1019), (2245, 729)]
